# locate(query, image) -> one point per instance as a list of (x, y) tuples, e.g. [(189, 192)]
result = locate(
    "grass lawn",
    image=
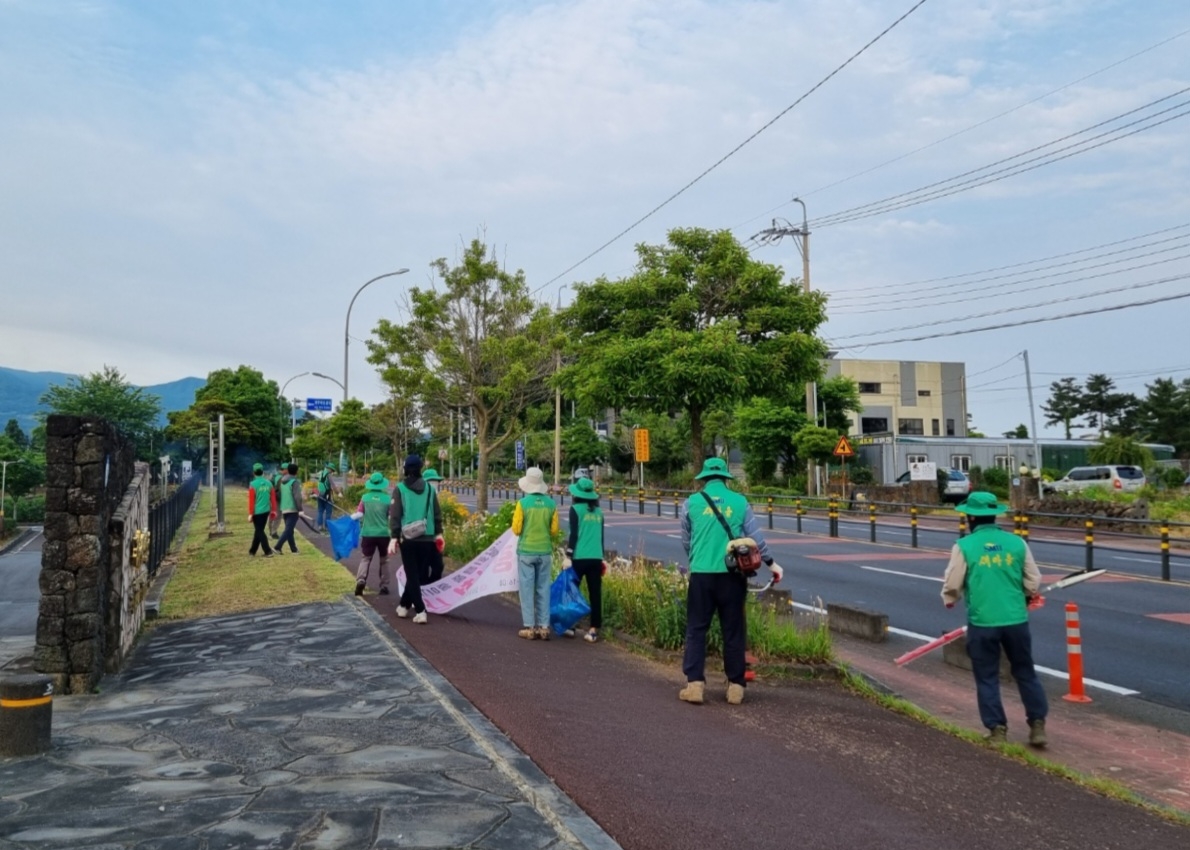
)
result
[(218, 576)]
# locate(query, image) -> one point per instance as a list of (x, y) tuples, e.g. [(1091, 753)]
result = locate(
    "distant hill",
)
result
[(20, 390)]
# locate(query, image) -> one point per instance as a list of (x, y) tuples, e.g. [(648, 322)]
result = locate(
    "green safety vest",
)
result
[(415, 506), (264, 489), (995, 588), (288, 504), (535, 537), (375, 521), (589, 545), (708, 540)]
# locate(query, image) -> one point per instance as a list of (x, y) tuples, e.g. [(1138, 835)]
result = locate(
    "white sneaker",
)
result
[(402, 611), (421, 618)]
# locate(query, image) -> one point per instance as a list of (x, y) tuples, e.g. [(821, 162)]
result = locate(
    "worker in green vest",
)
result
[(373, 536), (994, 572), (275, 480), (262, 503), (584, 547), (415, 526), (289, 501), (534, 522), (710, 520)]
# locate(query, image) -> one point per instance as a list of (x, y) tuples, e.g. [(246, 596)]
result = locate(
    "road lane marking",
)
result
[(898, 573), (877, 556)]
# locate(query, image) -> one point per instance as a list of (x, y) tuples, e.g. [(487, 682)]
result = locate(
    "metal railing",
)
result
[(164, 519)]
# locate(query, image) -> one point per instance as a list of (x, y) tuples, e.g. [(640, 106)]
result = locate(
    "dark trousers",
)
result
[(983, 648), (710, 594), (287, 534), (591, 569), (434, 567), (416, 558), (259, 536)]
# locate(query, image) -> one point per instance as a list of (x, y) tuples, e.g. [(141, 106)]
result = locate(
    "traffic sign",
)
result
[(321, 405), (843, 448), (520, 454), (641, 440)]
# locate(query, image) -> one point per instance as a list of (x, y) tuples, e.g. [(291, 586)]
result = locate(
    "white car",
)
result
[(958, 485), (1122, 478)]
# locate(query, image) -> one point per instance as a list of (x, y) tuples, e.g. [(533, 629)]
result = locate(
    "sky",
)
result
[(191, 186)]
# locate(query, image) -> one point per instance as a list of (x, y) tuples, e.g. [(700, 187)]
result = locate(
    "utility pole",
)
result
[(1033, 420), (772, 236)]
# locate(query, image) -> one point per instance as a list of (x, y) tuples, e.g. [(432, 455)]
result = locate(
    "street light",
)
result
[(347, 324), (292, 417), (4, 486), (334, 380), (558, 406)]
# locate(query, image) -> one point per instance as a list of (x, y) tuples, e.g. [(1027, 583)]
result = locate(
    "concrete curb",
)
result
[(547, 799), (21, 537)]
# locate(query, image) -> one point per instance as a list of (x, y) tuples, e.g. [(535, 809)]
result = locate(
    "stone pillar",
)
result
[(88, 467)]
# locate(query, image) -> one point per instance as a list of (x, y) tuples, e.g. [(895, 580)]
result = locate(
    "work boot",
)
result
[(997, 735), (1037, 733), (693, 692), (359, 588), (735, 694)]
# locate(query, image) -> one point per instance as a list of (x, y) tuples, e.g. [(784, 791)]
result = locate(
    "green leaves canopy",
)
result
[(108, 395)]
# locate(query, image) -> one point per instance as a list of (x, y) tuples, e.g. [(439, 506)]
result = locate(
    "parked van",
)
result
[(1123, 478)]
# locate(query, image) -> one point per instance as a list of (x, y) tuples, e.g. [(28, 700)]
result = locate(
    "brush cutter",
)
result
[(1034, 603)]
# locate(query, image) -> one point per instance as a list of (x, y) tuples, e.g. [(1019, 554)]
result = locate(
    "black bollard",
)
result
[(26, 712)]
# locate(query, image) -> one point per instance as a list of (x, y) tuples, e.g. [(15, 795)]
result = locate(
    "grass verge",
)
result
[(217, 575), (1106, 787)]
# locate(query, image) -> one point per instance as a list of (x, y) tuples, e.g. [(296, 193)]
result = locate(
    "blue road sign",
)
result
[(322, 405), (520, 454)]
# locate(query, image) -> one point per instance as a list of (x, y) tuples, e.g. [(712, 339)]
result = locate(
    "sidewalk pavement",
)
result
[(309, 727)]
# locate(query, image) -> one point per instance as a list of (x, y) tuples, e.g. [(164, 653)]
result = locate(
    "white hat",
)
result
[(534, 481)]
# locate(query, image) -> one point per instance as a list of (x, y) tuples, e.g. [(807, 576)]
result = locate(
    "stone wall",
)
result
[(89, 467), (128, 569)]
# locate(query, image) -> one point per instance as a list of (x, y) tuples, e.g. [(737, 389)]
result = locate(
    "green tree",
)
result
[(816, 443), (480, 344), (1065, 404), (1019, 432), (581, 446), (26, 469), (255, 401), (311, 445), (1165, 414), (764, 430), (192, 427), (109, 396), (699, 325), (837, 397), (13, 431), (351, 427), (1101, 403), (1121, 450)]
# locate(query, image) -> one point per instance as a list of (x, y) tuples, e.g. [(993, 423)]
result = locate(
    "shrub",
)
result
[(467, 537), (1172, 477)]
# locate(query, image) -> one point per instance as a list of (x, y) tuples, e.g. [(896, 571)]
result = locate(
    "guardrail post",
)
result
[(1090, 565), (1016, 523), (833, 517), (872, 523), (1165, 553), (658, 497), (676, 505), (640, 502), (962, 525), (624, 500), (913, 526), (798, 512), (770, 512), (1074, 656), (1025, 526)]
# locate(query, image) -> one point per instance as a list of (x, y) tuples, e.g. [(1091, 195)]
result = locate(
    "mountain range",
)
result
[(20, 391)]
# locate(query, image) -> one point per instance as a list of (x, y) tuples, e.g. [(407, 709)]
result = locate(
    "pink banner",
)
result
[(492, 571)]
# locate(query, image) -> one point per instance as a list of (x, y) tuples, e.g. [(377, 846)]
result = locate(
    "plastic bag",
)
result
[(567, 603), (344, 536)]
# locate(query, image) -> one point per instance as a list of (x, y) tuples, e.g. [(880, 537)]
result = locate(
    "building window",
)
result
[(873, 425), (950, 427), (912, 427), (869, 389), (1005, 462), (923, 393), (912, 459), (934, 427), (961, 462)]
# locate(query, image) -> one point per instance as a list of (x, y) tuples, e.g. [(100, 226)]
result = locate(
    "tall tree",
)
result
[(1165, 414), (764, 430), (480, 343), (1101, 403), (108, 395), (351, 427), (255, 402), (698, 325), (13, 431), (1020, 432), (837, 397), (1065, 404)]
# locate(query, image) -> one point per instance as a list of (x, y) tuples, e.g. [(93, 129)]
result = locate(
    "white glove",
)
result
[(357, 515), (566, 562), (777, 572), (393, 546)]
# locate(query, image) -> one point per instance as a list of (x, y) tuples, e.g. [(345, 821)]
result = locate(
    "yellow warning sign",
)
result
[(843, 448), (642, 444)]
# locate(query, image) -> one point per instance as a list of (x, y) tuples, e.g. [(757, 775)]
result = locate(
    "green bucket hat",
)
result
[(329, 465), (584, 488), (431, 475), (981, 503), (714, 467), (258, 468), (376, 481)]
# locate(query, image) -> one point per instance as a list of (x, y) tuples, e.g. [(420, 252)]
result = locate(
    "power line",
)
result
[(1022, 322), (916, 287), (1021, 307), (736, 149), (1006, 288), (956, 184)]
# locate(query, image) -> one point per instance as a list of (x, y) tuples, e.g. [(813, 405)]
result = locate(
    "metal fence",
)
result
[(165, 517)]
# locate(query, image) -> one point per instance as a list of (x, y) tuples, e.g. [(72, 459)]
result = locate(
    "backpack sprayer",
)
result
[(1037, 602)]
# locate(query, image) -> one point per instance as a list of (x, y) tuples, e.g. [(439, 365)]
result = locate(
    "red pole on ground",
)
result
[(1074, 656)]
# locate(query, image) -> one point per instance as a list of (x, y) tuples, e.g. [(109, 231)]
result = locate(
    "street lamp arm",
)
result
[(347, 323), (329, 378)]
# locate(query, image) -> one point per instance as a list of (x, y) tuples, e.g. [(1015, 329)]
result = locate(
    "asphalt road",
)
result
[(19, 592), (1135, 629)]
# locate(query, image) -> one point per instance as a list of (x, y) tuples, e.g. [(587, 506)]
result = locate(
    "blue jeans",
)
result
[(324, 513), (983, 648), (533, 574)]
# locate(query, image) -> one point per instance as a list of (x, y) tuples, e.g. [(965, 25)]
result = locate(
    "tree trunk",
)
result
[(696, 436), (481, 475)]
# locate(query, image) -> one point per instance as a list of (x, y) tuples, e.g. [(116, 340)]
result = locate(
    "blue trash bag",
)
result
[(344, 536), (567, 603)]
